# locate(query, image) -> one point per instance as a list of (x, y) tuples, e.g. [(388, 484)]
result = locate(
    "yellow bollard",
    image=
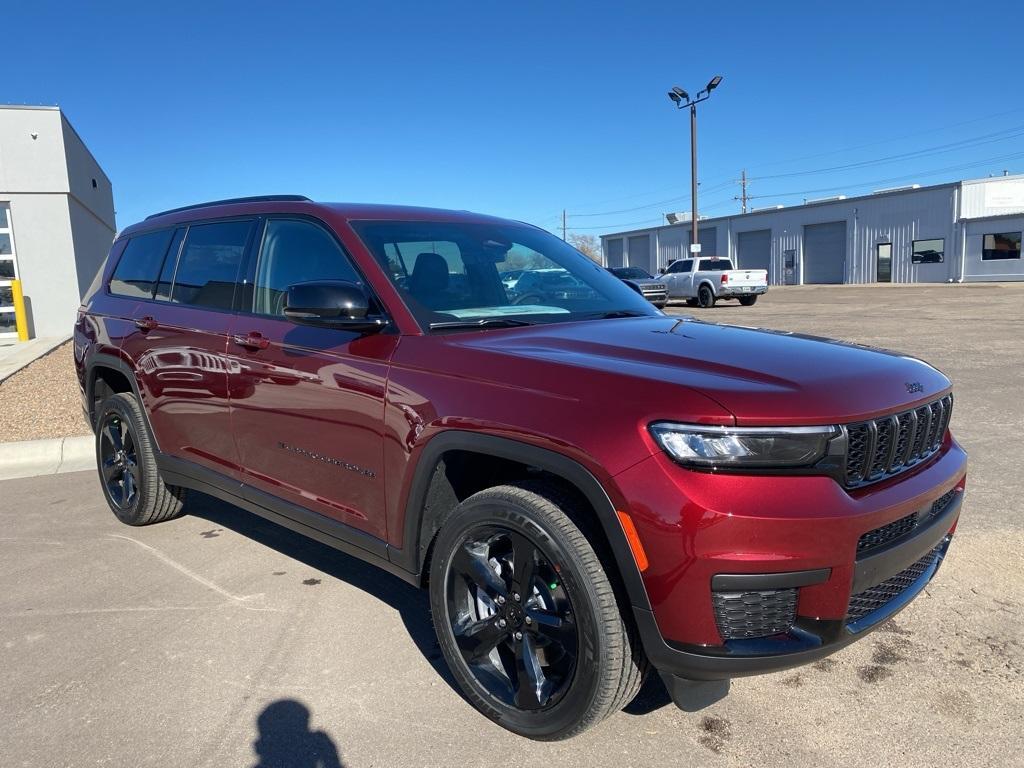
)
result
[(20, 319)]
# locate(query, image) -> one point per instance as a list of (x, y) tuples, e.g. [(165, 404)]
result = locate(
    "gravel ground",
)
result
[(42, 400)]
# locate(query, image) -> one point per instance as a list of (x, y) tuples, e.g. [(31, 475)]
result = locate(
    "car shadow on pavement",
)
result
[(412, 604), (284, 740)]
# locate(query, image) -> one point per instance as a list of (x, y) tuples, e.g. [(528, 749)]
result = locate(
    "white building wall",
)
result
[(44, 247), (63, 222)]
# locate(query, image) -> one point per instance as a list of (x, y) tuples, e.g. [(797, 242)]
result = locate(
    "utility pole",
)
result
[(744, 197), (563, 225)]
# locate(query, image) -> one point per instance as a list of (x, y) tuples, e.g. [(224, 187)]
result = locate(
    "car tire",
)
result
[(126, 460), (578, 659), (705, 297), (748, 301)]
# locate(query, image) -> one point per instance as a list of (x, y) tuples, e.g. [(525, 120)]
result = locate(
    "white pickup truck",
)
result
[(703, 281)]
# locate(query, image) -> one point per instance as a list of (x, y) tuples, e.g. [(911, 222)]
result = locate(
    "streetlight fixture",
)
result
[(682, 100)]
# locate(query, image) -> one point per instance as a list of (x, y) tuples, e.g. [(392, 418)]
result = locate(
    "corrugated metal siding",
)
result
[(897, 218), (976, 270), (1001, 196)]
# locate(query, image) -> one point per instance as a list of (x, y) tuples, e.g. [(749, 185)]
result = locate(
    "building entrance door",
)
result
[(883, 262), (8, 272)]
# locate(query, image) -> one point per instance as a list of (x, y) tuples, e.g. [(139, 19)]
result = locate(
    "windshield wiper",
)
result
[(485, 322), (618, 313)]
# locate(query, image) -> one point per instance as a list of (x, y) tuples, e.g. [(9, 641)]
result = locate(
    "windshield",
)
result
[(486, 274), (630, 273)]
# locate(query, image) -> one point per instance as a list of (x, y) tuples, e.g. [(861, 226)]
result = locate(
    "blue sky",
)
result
[(523, 109)]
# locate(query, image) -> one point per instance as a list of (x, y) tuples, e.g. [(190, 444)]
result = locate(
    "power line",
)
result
[(937, 150), (939, 129), (827, 153), (649, 205)]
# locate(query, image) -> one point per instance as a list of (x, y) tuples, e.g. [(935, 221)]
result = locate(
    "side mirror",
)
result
[(331, 304), (661, 270)]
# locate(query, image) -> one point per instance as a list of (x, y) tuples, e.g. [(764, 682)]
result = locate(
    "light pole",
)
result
[(682, 100)]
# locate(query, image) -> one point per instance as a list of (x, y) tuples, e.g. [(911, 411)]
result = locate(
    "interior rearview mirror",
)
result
[(332, 304)]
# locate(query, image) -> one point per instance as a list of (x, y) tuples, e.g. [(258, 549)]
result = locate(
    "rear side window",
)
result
[(137, 271), (295, 252), (209, 262)]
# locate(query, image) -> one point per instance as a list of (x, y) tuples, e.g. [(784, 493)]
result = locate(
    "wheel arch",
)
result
[(432, 496), (105, 373), (709, 283)]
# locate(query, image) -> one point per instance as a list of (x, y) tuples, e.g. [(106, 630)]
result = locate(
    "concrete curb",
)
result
[(47, 457), (16, 356)]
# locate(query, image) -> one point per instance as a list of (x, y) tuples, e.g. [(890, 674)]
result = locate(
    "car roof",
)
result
[(297, 204)]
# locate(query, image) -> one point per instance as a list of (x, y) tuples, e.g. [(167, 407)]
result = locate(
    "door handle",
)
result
[(146, 323), (254, 340)]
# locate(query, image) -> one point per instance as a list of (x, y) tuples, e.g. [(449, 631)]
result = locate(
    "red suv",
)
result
[(587, 487)]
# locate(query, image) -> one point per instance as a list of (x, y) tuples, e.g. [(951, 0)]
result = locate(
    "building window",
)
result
[(1005, 245), (928, 251)]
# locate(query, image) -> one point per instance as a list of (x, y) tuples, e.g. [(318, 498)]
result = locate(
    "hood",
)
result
[(760, 376)]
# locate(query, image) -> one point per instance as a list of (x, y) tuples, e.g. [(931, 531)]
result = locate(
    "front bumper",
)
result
[(751, 535)]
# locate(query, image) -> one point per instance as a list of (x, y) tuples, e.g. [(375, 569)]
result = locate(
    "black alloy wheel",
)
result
[(119, 463), (525, 613), (512, 618), (126, 457), (705, 297)]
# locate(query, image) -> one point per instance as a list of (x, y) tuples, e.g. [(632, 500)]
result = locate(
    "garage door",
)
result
[(825, 252), (614, 254), (754, 250), (639, 254)]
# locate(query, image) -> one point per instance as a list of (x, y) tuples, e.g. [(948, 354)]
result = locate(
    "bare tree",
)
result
[(588, 245)]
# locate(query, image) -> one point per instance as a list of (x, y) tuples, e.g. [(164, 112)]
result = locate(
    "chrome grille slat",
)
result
[(888, 445)]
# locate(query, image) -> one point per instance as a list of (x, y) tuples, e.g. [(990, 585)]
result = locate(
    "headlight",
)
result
[(739, 447)]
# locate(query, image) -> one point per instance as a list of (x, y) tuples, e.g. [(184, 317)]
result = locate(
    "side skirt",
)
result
[(334, 534)]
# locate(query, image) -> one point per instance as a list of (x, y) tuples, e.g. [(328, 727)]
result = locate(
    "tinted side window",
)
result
[(209, 262), (686, 265), (163, 287), (295, 252), (136, 273)]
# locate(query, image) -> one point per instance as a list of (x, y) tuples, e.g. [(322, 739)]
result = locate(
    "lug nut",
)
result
[(502, 623), (501, 600), (519, 635), (528, 620), (515, 596)]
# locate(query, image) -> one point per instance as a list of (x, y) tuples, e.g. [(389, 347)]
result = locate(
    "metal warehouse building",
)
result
[(960, 231)]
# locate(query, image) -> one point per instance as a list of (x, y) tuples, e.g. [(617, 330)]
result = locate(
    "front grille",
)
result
[(889, 445), (940, 504), (873, 598), (897, 529), (882, 536), (743, 615)]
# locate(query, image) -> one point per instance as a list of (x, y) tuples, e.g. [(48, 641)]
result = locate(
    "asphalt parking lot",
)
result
[(183, 643)]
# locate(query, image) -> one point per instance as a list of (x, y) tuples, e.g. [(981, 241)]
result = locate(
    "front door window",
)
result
[(8, 272), (884, 260)]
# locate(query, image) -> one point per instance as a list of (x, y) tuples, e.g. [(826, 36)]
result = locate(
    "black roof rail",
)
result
[(256, 199)]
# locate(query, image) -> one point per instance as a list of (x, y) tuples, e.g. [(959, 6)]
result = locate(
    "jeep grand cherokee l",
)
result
[(587, 487)]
